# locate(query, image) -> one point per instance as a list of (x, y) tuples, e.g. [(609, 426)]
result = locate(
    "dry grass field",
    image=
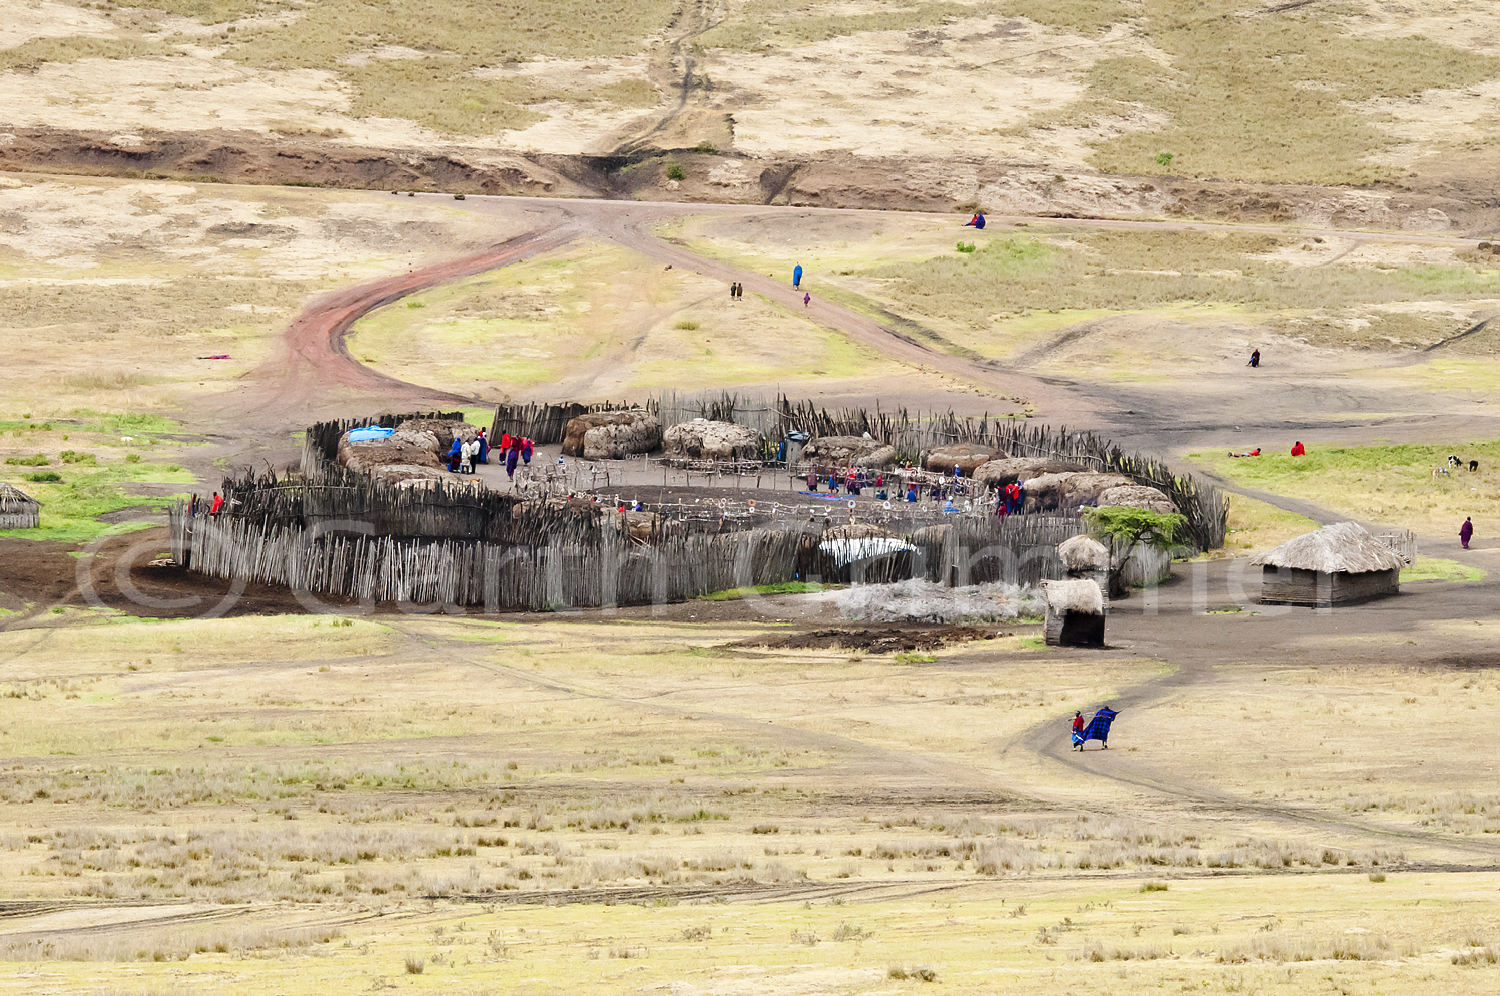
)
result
[(1350, 93), (1021, 285), (118, 290), (596, 320), (618, 804)]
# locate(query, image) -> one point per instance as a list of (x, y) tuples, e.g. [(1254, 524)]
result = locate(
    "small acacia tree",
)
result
[(1133, 526)]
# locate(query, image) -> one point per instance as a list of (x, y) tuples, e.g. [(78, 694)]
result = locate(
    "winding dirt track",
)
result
[(315, 373), (315, 361)]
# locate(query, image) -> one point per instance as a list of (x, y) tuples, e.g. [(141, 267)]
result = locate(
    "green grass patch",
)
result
[(71, 504), (780, 588), (1255, 525), (125, 423), (1389, 484), (1084, 16), (1437, 569), (34, 460)]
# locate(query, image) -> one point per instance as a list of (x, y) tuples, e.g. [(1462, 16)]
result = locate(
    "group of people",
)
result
[(1011, 500), (517, 449), (1297, 450), (854, 480), (465, 453), (1093, 729)]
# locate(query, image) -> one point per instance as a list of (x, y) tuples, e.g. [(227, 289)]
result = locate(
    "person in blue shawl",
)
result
[(1098, 728), (796, 275), (976, 222), (455, 454)]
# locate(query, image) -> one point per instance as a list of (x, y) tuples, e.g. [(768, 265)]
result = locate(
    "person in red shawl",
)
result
[(1078, 731), (1298, 449)]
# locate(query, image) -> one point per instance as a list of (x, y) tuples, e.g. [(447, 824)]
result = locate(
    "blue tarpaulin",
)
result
[(368, 432)]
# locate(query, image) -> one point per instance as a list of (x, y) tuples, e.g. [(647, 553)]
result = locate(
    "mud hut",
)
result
[(1084, 557), (848, 451), (968, 457), (611, 435), (1075, 613), (702, 439), (18, 510), (1339, 564)]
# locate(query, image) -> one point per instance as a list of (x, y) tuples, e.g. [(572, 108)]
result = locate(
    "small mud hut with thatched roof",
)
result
[(1083, 556), (1075, 613), (18, 510), (1337, 565)]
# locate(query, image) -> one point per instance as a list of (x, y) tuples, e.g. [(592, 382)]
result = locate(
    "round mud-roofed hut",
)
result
[(18, 510), (611, 435), (702, 439), (1082, 557), (1075, 613), (838, 452), (1339, 564)]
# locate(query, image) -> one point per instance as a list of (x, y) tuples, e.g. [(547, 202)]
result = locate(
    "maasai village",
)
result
[(768, 497)]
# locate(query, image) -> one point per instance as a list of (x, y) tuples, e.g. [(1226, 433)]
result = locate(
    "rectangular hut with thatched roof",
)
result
[(18, 510), (1075, 613), (1339, 564)]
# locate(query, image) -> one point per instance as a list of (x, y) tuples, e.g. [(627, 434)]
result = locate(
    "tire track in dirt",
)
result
[(627, 230), (1052, 741), (694, 18), (315, 355)]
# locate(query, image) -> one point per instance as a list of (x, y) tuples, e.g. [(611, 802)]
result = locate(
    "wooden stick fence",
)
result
[(603, 569)]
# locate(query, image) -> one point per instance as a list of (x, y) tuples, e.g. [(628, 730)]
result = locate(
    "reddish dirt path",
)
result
[(314, 365)]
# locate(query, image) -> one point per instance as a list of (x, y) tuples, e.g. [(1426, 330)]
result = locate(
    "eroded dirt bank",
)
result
[(1453, 202)]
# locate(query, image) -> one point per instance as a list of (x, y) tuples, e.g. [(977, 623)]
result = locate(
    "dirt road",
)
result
[(317, 376)]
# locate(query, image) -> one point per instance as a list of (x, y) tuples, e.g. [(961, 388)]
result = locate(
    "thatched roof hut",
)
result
[(1083, 553), (1075, 613), (1337, 565), (18, 510), (1084, 557)]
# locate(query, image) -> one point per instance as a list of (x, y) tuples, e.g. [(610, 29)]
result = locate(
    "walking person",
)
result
[(806, 299), (1254, 360), (512, 456), (1078, 725), (466, 458), (1465, 531), (526, 451), (796, 276), (218, 506)]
